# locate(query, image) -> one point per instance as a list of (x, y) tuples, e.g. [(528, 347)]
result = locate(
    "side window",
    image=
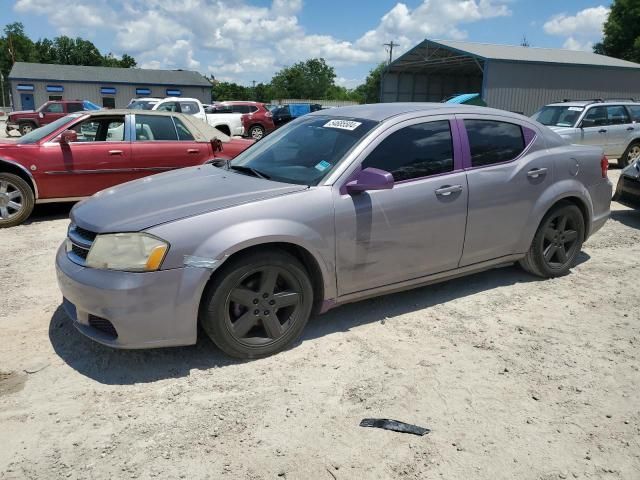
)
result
[(74, 107), (634, 110), (253, 109), (240, 108), (183, 131), (190, 108), (151, 127), (493, 142), (54, 108), (595, 117), (100, 130), (168, 107), (617, 115), (416, 151)]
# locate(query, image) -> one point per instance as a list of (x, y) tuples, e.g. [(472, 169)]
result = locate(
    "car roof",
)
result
[(382, 111), (584, 103)]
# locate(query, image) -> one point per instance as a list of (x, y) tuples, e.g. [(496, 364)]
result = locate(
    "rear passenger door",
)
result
[(618, 129), (504, 185), (161, 144)]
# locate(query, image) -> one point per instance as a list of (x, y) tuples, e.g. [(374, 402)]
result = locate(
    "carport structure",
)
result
[(514, 78)]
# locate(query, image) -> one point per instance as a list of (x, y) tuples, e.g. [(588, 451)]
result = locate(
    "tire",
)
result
[(631, 153), (16, 200), (26, 127), (240, 312), (561, 242), (256, 132)]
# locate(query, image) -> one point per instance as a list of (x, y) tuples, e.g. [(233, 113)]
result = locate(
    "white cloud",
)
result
[(237, 40), (581, 30)]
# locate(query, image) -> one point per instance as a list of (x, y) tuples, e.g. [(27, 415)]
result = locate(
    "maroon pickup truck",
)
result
[(26, 121)]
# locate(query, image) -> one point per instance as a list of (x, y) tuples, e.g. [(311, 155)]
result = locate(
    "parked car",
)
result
[(337, 206), (26, 121), (610, 124), (256, 117), (82, 153), (230, 124), (283, 114), (142, 103), (628, 188)]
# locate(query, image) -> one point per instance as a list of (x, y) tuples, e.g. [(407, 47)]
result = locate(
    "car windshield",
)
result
[(87, 105), (39, 133), (558, 116), (305, 151), (142, 104)]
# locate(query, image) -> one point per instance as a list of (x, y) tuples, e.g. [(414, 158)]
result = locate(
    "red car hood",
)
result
[(20, 112)]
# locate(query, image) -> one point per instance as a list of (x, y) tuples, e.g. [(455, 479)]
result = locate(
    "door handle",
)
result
[(602, 130), (536, 172), (193, 150), (630, 128), (115, 152), (447, 190)]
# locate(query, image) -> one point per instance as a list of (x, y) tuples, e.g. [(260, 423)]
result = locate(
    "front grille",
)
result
[(80, 243), (104, 326)]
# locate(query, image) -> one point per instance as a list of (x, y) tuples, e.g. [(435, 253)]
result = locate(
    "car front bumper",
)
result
[(10, 127), (132, 310), (628, 191)]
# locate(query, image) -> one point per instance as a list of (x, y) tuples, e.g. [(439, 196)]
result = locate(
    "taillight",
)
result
[(604, 165), (268, 114)]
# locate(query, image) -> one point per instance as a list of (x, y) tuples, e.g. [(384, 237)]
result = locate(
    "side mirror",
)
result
[(68, 136), (216, 143), (41, 115), (370, 179), (587, 122)]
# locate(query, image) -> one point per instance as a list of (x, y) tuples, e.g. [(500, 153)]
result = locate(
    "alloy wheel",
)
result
[(11, 200), (634, 154), (560, 240), (27, 128), (263, 306), (256, 133)]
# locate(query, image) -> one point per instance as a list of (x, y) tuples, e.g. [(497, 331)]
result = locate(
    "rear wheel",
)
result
[(557, 242), (256, 132), (631, 154), (26, 127), (258, 304), (16, 200)]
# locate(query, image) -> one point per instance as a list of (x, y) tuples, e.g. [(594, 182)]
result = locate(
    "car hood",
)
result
[(20, 112), (564, 131), (170, 196)]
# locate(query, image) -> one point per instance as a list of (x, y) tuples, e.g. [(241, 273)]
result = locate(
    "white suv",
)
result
[(610, 124)]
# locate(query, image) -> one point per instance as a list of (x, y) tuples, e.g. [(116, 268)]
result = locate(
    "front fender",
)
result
[(568, 188)]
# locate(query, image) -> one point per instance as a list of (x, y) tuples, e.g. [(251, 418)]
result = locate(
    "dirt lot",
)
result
[(518, 379)]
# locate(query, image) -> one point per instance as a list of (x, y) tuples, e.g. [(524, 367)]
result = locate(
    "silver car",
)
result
[(337, 206), (609, 124)]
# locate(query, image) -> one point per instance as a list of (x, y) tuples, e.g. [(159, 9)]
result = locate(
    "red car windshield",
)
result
[(39, 133)]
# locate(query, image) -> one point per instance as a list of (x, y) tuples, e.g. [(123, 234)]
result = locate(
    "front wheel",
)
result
[(631, 154), (258, 304), (256, 132), (26, 127), (556, 243), (16, 200)]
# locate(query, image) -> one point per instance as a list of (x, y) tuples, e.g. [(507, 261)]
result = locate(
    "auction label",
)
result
[(343, 124)]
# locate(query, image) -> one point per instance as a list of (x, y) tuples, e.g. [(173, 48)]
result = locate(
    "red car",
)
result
[(27, 120), (82, 153), (257, 120)]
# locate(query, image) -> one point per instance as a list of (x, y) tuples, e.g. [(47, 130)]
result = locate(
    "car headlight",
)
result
[(132, 252)]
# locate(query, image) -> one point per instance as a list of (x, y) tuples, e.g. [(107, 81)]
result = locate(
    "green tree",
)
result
[(369, 91), (222, 91), (622, 31), (310, 79)]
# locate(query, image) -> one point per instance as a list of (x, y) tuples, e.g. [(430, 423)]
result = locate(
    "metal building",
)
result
[(32, 84), (514, 78)]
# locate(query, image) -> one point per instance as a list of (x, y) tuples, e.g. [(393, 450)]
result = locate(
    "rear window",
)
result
[(189, 108), (150, 127), (493, 141), (74, 107), (558, 116), (634, 110), (183, 131)]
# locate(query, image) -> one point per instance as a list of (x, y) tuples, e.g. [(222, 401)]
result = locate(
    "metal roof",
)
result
[(106, 75), (447, 53)]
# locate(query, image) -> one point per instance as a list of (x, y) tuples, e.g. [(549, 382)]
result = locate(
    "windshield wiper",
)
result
[(252, 171)]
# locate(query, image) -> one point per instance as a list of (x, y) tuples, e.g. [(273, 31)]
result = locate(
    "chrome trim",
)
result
[(109, 170), (61, 200), (78, 240), (25, 170)]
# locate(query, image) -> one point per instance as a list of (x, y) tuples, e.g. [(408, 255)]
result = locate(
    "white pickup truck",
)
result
[(228, 123)]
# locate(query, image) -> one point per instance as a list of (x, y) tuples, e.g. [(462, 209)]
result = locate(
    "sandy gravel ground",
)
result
[(518, 379)]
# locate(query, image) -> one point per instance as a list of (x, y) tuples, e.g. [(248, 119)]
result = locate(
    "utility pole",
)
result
[(390, 46), (254, 90), (2, 88)]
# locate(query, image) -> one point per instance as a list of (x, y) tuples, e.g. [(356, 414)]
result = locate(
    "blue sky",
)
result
[(245, 40)]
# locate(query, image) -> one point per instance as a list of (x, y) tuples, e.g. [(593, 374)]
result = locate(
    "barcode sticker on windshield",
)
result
[(343, 124), (576, 109)]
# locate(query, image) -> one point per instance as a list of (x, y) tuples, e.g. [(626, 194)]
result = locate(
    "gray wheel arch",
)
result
[(9, 166)]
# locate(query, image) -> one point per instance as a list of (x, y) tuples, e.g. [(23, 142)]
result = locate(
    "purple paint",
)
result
[(463, 138), (370, 179), (529, 135)]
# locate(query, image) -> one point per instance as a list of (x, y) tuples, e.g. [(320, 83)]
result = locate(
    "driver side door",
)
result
[(415, 229)]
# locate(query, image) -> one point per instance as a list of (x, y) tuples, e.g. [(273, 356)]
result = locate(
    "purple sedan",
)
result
[(337, 206)]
